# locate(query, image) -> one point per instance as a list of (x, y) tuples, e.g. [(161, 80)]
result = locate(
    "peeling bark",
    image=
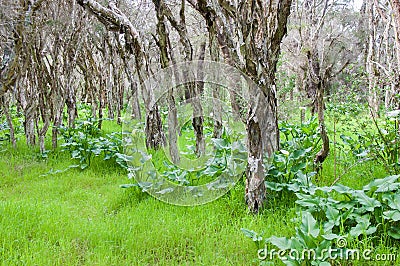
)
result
[(162, 42), (114, 20), (262, 26), (373, 97)]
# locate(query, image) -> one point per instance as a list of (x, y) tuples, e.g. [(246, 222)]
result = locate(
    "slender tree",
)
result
[(115, 20), (261, 27)]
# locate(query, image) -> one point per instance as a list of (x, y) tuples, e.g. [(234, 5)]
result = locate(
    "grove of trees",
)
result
[(59, 55)]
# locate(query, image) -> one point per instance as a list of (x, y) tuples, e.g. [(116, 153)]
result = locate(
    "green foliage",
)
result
[(4, 132), (348, 108), (86, 140), (377, 140), (217, 164), (332, 213), (298, 148), (17, 121)]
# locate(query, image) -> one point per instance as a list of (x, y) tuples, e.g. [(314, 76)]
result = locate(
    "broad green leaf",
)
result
[(325, 189), (328, 226), (309, 201), (338, 188), (369, 203), (297, 167), (362, 227), (238, 147), (297, 154), (309, 225), (280, 242), (129, 185), (124, 157), (145, 186), (295, 244), (221, 144), (75, 154), (107, 156), (342, 189), (394, 232), (323, 263), (165, 191), (293, 187), (379, 182), (212, 170), (304, 180), (392, 215), (393, 201), (274, 186), (307, 240), (330, 236), (388, 187), (291, 263), (346, 205), (370, 230), (251, 234), (96, 151), (332, 214), (346, 214), (279, 158)]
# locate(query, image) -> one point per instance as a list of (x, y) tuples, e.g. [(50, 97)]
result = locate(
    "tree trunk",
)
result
[(6, 109), (262, 25), (217, 108), (373, 96), (316, 84), (263, 138), (198, 118), (262, 122), (396, 12), (162, 43), (115, 20)]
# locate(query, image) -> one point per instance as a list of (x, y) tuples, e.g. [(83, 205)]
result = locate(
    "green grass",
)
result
[(85, 218)]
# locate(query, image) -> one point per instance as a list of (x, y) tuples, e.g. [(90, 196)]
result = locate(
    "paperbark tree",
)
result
[(372, 70), (396, 19), (315, 80), (115, 20), (17, 57), (260, 28), (191, 90), (162, 42)]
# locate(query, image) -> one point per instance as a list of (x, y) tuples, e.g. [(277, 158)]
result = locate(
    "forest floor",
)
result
[(84, 218)]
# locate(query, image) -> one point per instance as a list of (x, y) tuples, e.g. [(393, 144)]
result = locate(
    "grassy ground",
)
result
[(85, 218)]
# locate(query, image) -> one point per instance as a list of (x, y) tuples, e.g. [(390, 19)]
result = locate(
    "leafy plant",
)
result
[(4, 132), (299, 147), (213, 168), (339, 211), (17, 121), (85, 141), (307, 246), (378, 140)]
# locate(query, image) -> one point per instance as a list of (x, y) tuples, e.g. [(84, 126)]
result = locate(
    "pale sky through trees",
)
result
[(357, 4)]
